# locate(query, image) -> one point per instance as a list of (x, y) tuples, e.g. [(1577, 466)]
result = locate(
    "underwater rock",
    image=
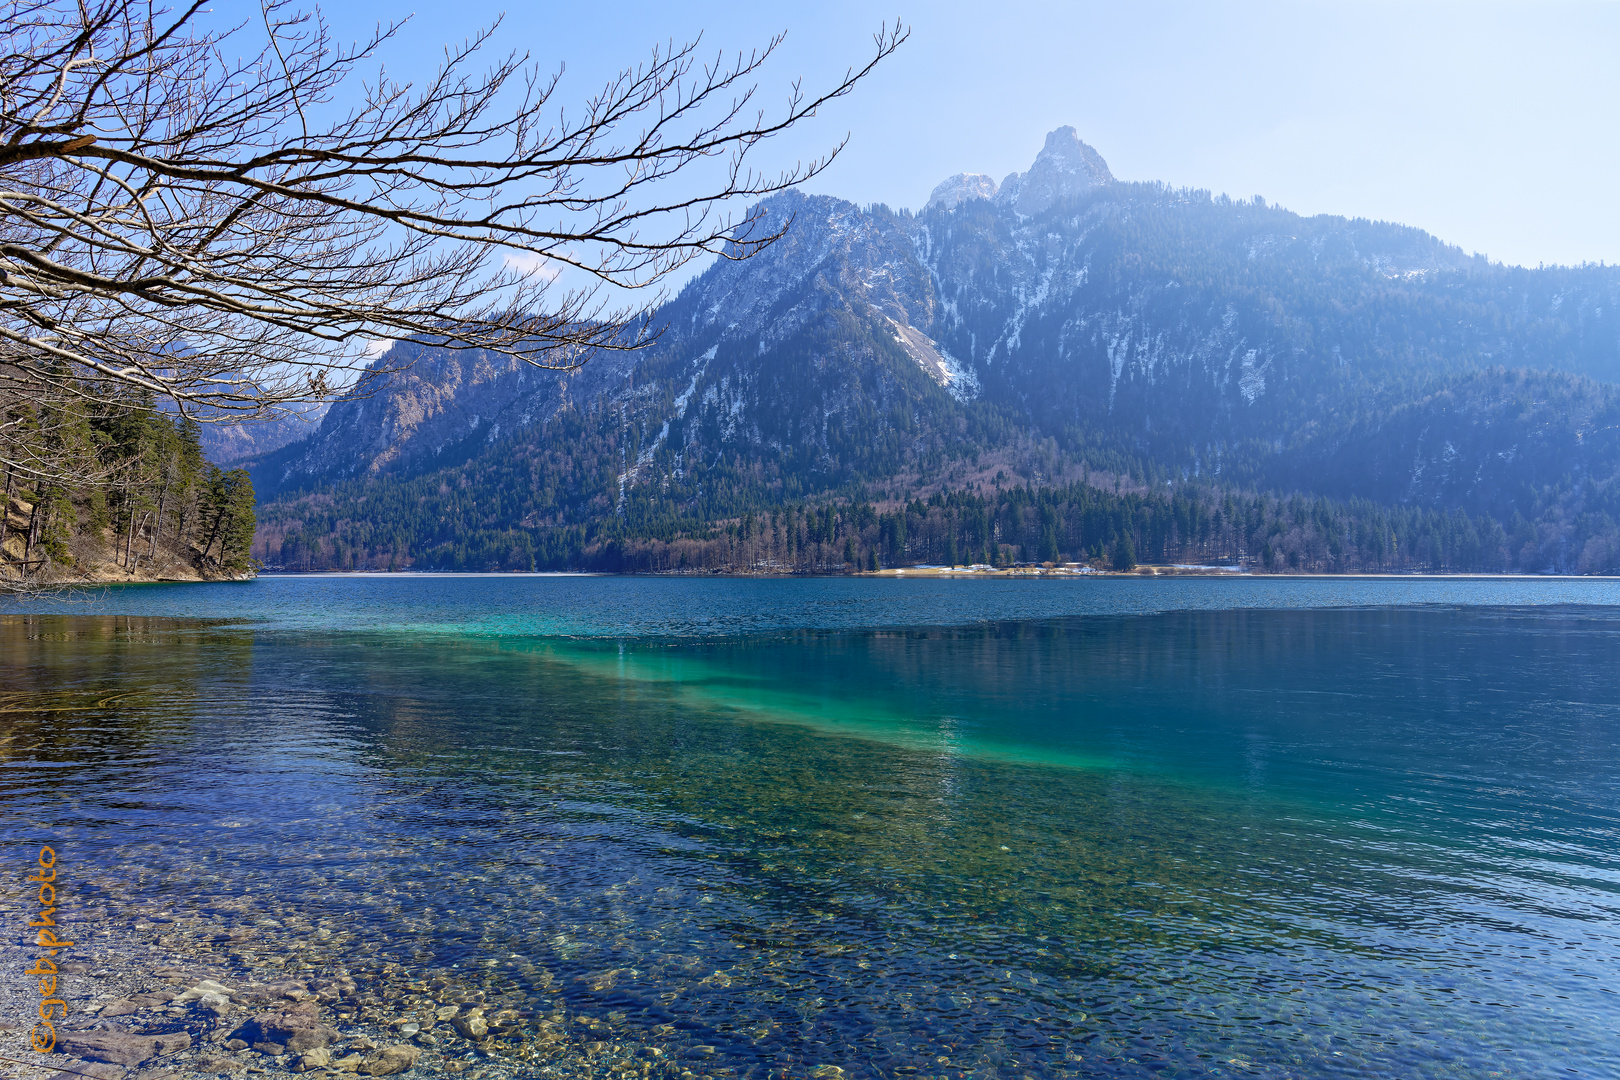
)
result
[(390, 1060), (312, 1038), (204, 988), (134, 1003), (218, 1063), (318, 1058), (101, 1072), (121, 1048), (297, 1028)]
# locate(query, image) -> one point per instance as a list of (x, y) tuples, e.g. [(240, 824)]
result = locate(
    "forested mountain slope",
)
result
[(1053, 326)]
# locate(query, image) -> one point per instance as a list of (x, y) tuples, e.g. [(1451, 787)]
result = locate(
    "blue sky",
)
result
[(1494, 126)]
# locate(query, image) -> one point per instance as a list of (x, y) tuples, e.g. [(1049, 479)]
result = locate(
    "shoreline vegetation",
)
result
[(979, 572), (119, 494), (1002, 528)]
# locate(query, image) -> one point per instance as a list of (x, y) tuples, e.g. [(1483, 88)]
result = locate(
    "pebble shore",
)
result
[(163, 995)]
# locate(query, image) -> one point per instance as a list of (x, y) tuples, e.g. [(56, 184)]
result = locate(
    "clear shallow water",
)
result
[(1115, 827)]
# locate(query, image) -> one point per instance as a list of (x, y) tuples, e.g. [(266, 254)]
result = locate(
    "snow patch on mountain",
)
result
[(959, 380), (1252, 383), (686, 395)]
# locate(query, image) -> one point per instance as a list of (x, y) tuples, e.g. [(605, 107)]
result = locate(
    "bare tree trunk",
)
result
[(135, 555), (28, 538), (157, 526), (219, 520), (5, 512), (129, 539), (118, 543)]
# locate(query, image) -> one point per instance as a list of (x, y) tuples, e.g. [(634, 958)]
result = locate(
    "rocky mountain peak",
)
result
[(959, 189), (1065, 167)]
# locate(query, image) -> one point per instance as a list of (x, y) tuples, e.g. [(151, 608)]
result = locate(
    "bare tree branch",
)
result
[(225, 236)]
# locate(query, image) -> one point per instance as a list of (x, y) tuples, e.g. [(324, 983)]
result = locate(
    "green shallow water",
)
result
[(1099, 828)]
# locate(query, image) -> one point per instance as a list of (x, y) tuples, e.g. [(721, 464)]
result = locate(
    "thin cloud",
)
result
[(531, 265)]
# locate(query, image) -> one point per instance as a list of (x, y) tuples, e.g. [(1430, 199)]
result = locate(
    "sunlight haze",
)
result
[(1492, 126)]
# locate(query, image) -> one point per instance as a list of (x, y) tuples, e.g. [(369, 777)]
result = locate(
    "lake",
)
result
[(853, 827)]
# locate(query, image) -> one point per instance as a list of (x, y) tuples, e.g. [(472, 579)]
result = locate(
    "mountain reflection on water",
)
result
[(1322, 840)]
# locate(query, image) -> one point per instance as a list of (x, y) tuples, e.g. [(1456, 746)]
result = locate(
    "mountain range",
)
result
[(1060, 327)]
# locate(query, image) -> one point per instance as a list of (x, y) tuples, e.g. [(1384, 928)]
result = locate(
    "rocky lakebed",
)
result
[(231, 989)]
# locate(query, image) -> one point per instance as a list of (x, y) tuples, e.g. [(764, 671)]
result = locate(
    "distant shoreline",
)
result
[(958, 574)]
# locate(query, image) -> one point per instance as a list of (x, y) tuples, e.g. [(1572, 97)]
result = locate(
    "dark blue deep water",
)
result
[(1113, 827)]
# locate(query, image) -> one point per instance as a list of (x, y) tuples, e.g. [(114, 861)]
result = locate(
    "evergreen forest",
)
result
[(101, 492)]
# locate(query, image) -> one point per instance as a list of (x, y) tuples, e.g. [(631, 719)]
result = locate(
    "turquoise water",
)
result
[(1115, 827)]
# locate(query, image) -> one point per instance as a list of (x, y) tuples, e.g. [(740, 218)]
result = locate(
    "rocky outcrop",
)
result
[(1065, 168), (959, 189), (224, 444)]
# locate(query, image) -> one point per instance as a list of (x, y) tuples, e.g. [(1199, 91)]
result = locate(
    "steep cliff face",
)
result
[(1065, 169), (811, 350), (1060, 308), (225, 444)]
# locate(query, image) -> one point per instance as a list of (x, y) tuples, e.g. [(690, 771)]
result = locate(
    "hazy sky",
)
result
[(1494, 126)]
